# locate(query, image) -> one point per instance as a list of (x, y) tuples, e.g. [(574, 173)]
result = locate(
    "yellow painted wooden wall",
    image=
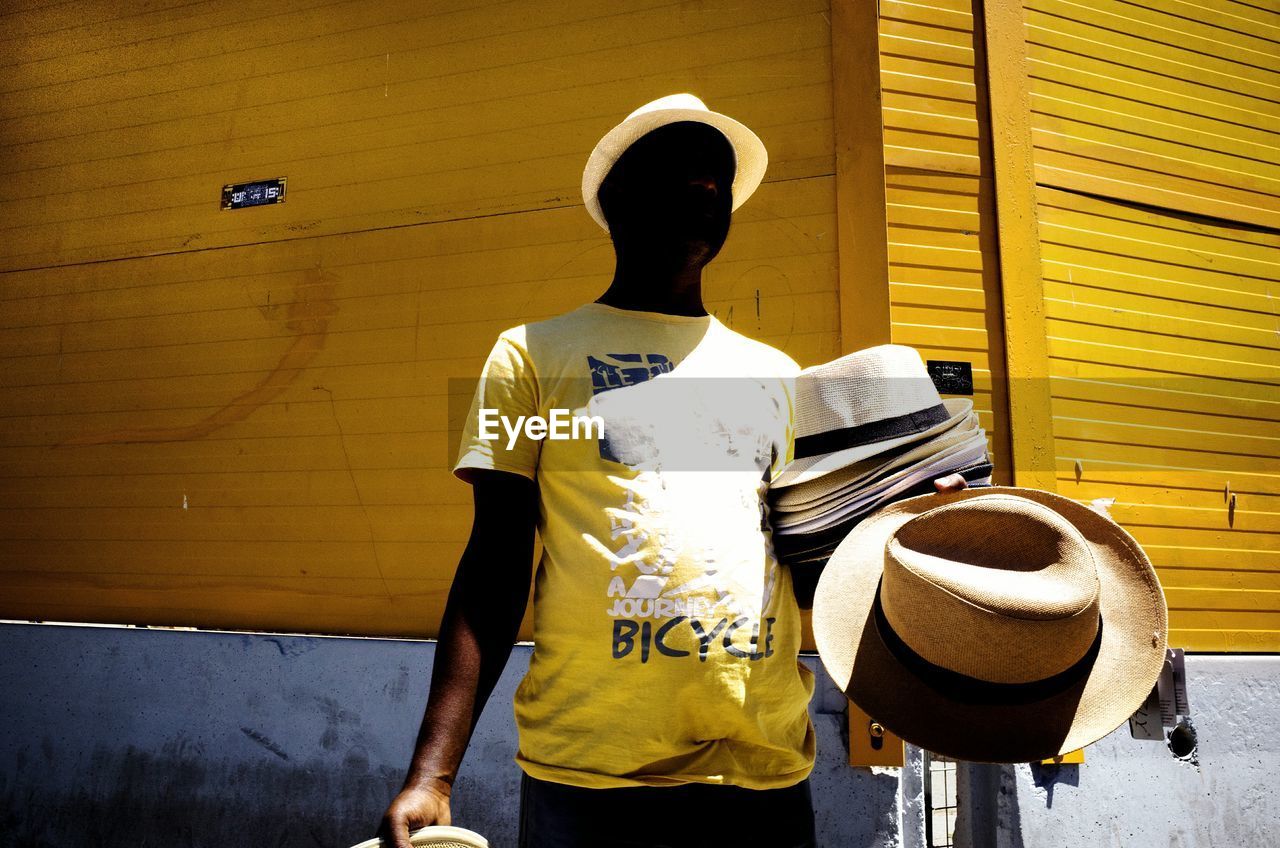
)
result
[(239, 419), (1155, 136)]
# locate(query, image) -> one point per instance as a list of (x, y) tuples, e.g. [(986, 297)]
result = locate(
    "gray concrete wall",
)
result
[(136, 737), (1139, 794)]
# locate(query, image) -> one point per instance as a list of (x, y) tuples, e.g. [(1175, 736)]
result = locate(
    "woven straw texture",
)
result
[(996, 589), (810, 467), (835, 485), (870, 385)]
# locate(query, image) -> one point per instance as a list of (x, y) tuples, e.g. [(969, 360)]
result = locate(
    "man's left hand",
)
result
[(951, 483)]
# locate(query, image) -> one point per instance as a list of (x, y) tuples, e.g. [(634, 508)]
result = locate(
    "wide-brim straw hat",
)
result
[(435, 836), (804, 469), (747, 146), (998, 624), (862, 404)]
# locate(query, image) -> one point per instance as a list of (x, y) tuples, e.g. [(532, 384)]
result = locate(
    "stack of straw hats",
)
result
[(871, 429), (994, 624)]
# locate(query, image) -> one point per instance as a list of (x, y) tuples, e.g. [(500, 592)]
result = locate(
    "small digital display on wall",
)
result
[(260, 193)]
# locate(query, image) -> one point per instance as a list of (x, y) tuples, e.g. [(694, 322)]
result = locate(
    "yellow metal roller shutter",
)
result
[(1164, 362), (1155, 129), (239, 419), (943, 274)]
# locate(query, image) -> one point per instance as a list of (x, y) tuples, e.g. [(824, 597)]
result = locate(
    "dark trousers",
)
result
[(554, 815)]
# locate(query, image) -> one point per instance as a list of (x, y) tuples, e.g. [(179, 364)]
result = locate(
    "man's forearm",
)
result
[(480, 625)]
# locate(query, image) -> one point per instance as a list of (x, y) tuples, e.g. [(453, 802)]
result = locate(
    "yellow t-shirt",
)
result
[(666, 634)]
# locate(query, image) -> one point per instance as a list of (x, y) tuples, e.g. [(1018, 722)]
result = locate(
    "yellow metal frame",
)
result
[(861, 207), (870, 743), (1017, 232)]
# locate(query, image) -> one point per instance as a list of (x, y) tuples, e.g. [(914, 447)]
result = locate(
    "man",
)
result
[(665, 704)]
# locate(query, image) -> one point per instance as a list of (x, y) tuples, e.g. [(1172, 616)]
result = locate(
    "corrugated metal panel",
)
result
[(1164, 335), (269, 448), (119, 134), (927, 70), (256, 436), (1167, 102), (944, 276), (1164, 345)]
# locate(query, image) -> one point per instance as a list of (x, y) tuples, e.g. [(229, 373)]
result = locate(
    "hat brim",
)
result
[(750, 151), (837, 485), (807, 468), (1128, 662), (835, 512), (793, 547), (436, 834)]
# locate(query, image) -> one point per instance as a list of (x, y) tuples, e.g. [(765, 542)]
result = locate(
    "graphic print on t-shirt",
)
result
[(661, 428), (615, 370)]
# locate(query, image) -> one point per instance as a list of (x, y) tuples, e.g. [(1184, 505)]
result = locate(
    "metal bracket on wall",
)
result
[(870, 744)]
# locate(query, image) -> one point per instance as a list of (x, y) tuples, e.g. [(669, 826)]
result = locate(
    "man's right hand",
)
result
[(415, 807)]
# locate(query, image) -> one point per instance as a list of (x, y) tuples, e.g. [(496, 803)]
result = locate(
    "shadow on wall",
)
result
[(861, 809), (140, 737), (133, 797), (988, 799), (1047, 776), (136, 798)]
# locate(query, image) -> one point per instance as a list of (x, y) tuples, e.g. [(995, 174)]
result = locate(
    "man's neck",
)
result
[(677, 292)]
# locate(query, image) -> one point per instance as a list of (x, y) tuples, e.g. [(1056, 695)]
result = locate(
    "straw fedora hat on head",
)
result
[(998, 624), (862, 404), (747, 146)]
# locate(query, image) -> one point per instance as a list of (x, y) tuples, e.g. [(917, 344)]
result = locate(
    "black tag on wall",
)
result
[(261, 193), (950, 377)]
